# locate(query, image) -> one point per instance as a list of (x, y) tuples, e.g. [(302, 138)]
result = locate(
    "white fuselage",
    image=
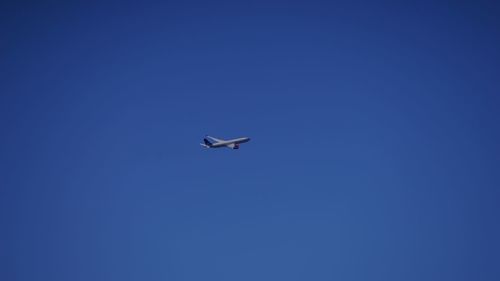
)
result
[(228, 143)]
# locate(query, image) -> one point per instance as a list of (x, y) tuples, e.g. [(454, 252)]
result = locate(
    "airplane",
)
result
[(211, 142)]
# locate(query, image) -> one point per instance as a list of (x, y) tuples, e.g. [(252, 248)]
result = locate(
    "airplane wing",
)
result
[(233, 145), (214, 139)]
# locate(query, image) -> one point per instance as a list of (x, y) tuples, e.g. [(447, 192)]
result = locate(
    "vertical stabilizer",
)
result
[(207, 142)]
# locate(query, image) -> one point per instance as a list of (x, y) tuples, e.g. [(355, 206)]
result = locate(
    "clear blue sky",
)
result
[(374, 153)]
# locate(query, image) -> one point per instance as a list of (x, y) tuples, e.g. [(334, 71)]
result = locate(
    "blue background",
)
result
[(374, 153)]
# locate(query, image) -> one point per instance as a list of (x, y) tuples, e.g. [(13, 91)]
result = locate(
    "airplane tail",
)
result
[(206, 143)]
